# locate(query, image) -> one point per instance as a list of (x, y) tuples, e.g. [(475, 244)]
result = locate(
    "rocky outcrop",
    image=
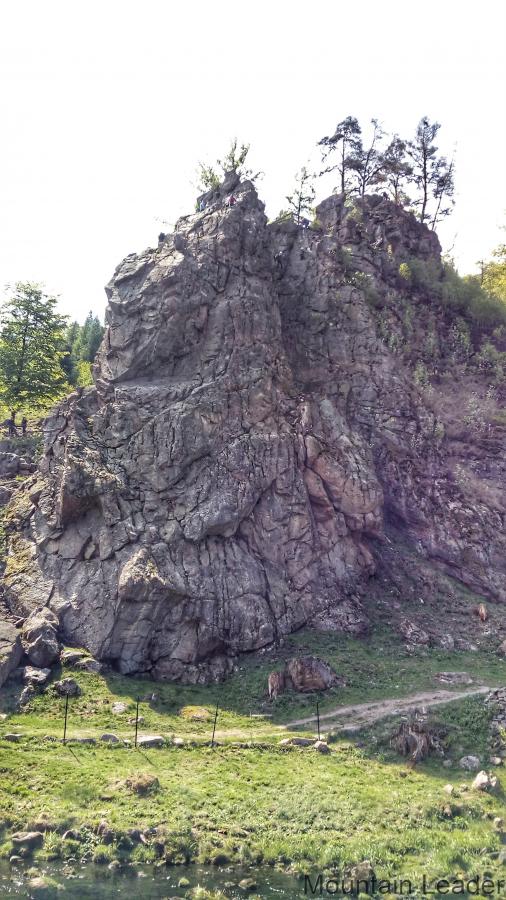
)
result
[(39, 638), (11, 650), (255, 436)]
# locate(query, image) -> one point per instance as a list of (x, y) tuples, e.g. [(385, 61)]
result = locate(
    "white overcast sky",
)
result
[(106, 107)]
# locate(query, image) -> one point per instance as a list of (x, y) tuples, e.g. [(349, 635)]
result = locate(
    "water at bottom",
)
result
[(145, 883)]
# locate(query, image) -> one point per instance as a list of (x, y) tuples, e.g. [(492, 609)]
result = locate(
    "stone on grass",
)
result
[(119, 707), (109, 738), (14, 738), (321, 747), (484, 782), (247, 884), (151, 740), (309, 673), (453, 678), (90, 665), (68, 687), (296, 742), (470, 763), (70, 656)]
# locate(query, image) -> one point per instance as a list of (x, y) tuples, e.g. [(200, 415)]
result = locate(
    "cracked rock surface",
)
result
[(250, 436)]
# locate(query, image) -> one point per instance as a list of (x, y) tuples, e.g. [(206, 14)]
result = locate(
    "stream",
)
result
[(145, 883)]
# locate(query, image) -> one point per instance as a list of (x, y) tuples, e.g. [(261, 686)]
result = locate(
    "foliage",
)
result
[(494, 274), (234, 160), (82, 343), (432, 175), (367, 163), (344, 144), (396, 170), (398, 166), (32, 349), (302, 199)]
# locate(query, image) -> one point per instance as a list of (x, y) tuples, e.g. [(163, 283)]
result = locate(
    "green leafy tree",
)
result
[(209, 177), (32, 347), (432, 175), (302, 199), (494, 274), (343, 147)]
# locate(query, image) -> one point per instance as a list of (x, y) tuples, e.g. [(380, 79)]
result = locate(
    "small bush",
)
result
[(103, 854)]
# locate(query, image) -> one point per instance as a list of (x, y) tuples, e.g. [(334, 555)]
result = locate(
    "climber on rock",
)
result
[(231, 201)]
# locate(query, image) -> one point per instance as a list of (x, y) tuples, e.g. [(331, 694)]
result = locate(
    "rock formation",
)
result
[(255, 439)]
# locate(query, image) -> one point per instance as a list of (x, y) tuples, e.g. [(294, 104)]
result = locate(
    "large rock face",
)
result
[(253, 434)]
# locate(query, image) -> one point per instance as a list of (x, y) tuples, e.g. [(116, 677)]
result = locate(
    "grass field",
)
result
[(256, 803)]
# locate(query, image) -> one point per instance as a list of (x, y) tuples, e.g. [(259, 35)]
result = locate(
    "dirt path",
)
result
[(361, 714)]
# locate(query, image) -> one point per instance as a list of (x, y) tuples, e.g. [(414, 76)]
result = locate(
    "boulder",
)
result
[(470, 763), (151, 740), (90, 665), (296, 742), (454, 678), (11, 650), (42, 887), (27, 694), (10, 464), (30, 839), (321, 747), (484, 782), (36, 677), (502, 648), (70, 656), (413, 632), (12, 737), (67, 687), (39, 639), (119, 707), (308, 673), (109, 738)]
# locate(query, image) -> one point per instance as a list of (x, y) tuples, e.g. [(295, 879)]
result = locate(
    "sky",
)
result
[(107, 107)]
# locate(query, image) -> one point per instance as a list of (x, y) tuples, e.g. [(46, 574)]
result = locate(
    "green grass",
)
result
[(248, 800), (295, 808), (374, 668)]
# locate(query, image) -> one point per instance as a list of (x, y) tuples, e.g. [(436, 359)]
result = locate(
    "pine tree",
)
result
[(302, 199), (345, 143), (32, 348)]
